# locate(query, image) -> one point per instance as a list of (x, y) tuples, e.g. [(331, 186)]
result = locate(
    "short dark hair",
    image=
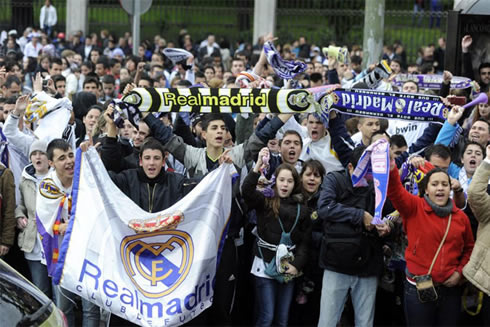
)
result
[(198, 74), (292, 132), (10, 80), (113, 62), (381, 132), (315, 166), (356, 155), (356, 60), (184, 82), (474, 143), (483, 120), (438, 150), (61, 144), (57, 78), (147, 78), (54, 60), (412, 81), (88, 64), (237, 59), (89, 80), (152, 144), (425, 181), (208, 67), (316, 77), (94, 106), (108, 79), (426, 68), (483, 65), (208, 118), (398, 140), (103, 60)]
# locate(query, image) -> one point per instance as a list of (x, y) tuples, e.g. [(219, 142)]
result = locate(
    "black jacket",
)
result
[(155, 194), (347, 247), (268, 226), (118, 155)]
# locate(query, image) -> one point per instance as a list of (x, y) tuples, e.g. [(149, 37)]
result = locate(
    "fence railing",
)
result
[(321, 21)]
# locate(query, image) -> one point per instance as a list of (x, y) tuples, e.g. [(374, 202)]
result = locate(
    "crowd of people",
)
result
[(295, 197)]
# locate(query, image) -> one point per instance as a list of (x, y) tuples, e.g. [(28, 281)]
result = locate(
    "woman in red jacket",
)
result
[(425, 220)]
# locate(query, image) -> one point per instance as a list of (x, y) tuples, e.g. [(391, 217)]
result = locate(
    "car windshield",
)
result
[(21, 304)]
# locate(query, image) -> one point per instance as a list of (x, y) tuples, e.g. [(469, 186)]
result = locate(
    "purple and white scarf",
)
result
[(286, 69), (375, 162), (176, 55), (431, 81)]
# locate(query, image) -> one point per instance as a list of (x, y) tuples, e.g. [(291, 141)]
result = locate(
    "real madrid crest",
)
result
[(49, 190)]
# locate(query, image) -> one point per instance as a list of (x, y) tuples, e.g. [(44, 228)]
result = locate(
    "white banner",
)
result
[(162, 278)]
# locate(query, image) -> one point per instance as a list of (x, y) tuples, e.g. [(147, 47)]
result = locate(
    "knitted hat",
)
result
[(38, 145)]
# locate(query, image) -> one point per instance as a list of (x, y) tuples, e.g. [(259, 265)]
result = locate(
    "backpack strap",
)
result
[(295, 221)]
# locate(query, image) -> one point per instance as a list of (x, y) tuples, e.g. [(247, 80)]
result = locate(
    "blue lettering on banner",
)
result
[(90, 277)]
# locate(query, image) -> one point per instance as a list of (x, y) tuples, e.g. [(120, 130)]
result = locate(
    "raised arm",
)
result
[(252, 197), (341, 140), (450, 127), (11, 127), (401, 199)]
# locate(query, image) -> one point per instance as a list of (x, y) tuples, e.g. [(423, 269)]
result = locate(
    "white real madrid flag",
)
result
[(159, 278)]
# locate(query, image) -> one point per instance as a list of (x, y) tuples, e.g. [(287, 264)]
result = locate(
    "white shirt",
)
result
[(48, 16), (321, 150), (32, 51), (357, 138), (258, 268), (87, 50), (411, 130)]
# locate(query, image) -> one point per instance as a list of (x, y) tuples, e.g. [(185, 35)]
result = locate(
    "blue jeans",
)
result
[(435, 13), (445, 311), (273, 299), (65, 301), (418, 11), (40, 278), (335, 289)]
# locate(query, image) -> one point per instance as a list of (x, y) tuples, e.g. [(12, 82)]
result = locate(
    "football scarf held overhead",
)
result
[(368, 103), (431, 81), (114, 254), (375, 162), (176, 55), (285, 69)]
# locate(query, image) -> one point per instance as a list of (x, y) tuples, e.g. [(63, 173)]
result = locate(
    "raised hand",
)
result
[(447, 77), (3, 75), (129, 87), (38, 83), (455, 114), (21, 105), (417, 161), (466, 43), (225, 157)]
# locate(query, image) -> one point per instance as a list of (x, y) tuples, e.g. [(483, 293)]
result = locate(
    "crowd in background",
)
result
[(344, 269)]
